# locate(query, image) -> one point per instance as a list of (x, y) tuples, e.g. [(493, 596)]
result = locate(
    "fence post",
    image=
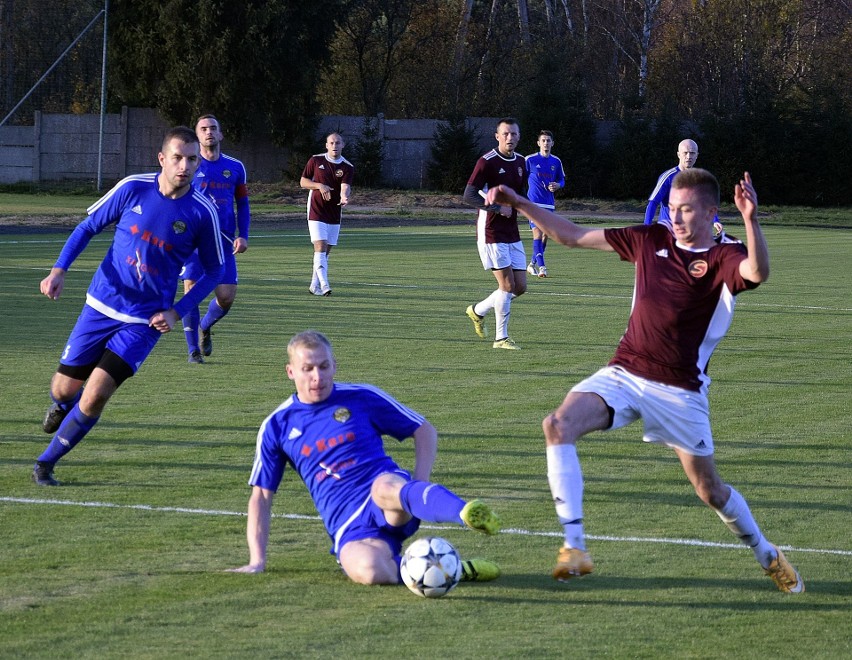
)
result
[(36, 147), (123, 128)]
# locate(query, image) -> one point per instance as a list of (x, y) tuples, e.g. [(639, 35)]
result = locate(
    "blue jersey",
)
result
[(660, 198), (224, 181), (154, 235), (335, 446), (541, 172)]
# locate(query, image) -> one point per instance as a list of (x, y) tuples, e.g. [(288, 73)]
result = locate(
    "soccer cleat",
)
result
[(507, 344), (43, 474), (206, 341), (531, 269), (478, 322), (314, 289), (53, 418), (786, 578), (325, 290), (479, 570), (477, 515), (195, 357), (542, 272), (572, 562)]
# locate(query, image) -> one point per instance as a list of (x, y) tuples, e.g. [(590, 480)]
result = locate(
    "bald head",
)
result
[(687, 154)]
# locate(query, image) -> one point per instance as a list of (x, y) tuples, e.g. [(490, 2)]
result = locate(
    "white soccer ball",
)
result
[(431, 567)]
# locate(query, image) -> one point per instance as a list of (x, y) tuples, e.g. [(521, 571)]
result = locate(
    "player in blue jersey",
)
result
[(687, 155), (544, 177), (159, 220), (223, 179), (331, 434)]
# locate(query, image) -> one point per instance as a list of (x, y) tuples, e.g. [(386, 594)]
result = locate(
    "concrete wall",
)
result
[(62, 147)]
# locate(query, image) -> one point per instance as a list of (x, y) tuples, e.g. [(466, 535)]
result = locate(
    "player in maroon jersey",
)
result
[(328, 178), (497, 237), (683, 302)]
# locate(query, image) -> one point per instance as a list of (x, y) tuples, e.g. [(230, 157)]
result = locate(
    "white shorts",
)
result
[(672, 416), (495, 256), (323, 231)]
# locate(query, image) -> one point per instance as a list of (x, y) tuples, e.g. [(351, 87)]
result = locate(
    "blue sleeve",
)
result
[(243, 216), (74, 246), (212, 261), (561, 179), (651, 211)]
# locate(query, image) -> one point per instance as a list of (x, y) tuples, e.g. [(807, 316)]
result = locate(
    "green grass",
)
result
[(127, 558)]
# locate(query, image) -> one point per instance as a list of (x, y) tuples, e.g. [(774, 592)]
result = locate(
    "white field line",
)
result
[(511, 531)]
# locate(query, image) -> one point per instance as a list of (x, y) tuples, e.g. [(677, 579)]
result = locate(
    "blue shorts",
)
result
[(94, 333), (369, 523), (192, 269)]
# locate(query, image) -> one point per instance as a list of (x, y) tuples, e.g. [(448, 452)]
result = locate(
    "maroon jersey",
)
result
[(491, 170), (683, 304), (322, 170)]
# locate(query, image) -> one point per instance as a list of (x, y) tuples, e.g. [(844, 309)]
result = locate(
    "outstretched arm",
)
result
[(755, 267), (257, 530), (555, 226)]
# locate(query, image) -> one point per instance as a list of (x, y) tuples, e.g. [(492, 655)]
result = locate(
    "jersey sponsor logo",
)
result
[(662, 253), (342, 415), (333, 470), (698, 268), (324, 444), (149, 237), (178, 226)]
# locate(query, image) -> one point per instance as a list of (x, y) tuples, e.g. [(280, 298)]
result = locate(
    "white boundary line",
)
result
[(513, 531)]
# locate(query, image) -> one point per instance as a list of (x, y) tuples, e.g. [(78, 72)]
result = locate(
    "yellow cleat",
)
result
[(784, 575), (506, 343), (571, 563), (478, 322), (477, 515), (479, 570)]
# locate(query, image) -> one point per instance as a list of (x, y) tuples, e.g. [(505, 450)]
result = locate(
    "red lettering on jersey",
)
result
[(306, 451)]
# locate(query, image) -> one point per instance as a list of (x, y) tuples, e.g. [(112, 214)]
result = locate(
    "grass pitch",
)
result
[(127, 558)]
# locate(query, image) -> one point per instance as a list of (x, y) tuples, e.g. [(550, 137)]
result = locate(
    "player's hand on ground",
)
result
[(164, 321), (240, 245), (248, 568), (52, 285)]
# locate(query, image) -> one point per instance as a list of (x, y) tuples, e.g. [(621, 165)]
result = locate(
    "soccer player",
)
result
[(223, 179), (328, 178), (159, 221), (497, 237), (331, 434), (683, 303), (544, 177)]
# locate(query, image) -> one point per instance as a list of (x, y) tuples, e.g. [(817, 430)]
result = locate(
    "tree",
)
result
[(455, 150), (252, 64)]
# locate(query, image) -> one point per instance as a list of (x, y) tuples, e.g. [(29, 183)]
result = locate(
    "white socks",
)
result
[(737, 516), (566, 485), (320, 276), (500, 301)]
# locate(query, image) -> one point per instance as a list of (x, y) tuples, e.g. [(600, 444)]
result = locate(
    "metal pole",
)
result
[(103, 98)]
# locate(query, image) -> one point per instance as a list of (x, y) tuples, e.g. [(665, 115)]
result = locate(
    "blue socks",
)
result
[(72, 430), (190, 329), (431, 502), (214, 313), (538, 252)]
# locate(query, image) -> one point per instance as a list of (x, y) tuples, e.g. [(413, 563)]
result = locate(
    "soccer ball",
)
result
[(431, 567)]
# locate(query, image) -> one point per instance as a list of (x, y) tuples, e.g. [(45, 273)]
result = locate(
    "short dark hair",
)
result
[(506, 120), (183, 133), (544, 131), (213, 117), (702, 180)]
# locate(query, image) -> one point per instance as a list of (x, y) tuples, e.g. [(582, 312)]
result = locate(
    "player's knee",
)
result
[(712, 492), (554, 429), (371, 573), (385, 491)]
